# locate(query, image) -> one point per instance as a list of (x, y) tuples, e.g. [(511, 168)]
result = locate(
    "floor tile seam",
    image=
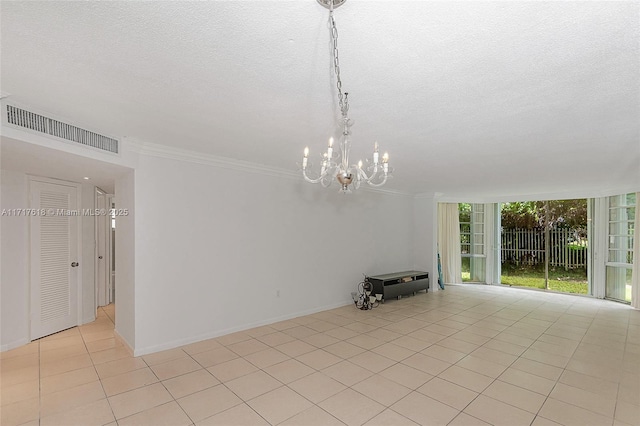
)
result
[(282, 385), (482, 374), (506, 367), (467, 414), (231, 408), (509, 404), (582, 408), (40, 394), (286, 384), (559, 376), (615, 406), (165, 388), (521, 387), (500, 341), (537, 339), (462, 386), (157, 406), (253, 364), (449, 405)]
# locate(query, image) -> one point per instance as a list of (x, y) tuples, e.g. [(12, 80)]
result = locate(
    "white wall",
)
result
[(424, 227), (214, 246), (14, 262), (125, 260)]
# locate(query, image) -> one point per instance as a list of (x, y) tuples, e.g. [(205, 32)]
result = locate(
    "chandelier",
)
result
[(335, 165)]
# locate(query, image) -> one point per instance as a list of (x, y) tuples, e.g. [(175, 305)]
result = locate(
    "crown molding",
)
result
[(173, 153)]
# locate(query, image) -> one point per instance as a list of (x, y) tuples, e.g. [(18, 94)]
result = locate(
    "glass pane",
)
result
[(618, 284), (620, 243), (621, 228), (621, 256), (466, 275), (478, 239), (478, 228), (478, 249), (618, 200), (621, 214), (477, 269)]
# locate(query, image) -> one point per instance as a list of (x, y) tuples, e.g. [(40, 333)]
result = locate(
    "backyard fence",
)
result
[(567, 247)]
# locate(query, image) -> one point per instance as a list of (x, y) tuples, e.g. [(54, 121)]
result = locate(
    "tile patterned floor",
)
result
[(471, 355)]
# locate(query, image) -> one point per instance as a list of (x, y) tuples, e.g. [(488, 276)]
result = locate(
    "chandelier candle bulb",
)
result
[(305, 158), (330, 149)]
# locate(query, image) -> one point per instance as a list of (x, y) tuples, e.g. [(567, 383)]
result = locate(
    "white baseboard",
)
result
[(126, 345), (14, 345), (186, 341)]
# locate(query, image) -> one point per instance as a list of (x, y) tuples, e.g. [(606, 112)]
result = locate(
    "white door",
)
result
[(54, 257), (110, 257)]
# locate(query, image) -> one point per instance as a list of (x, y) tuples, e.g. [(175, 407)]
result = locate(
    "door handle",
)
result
[(74, 264), (99, 257)]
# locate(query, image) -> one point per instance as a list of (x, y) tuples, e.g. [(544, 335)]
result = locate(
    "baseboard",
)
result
[(126, 345), (181, 342), (14, 345)]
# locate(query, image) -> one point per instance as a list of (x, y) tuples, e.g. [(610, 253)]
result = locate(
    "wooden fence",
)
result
[(568, 247)]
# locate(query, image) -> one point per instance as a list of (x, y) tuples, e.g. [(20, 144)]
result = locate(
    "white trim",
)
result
[(13, 345), (566, 195), (181, 342), (121, 339), (598, 246)]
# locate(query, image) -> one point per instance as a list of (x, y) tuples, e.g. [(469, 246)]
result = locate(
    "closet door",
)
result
[(55, 271)]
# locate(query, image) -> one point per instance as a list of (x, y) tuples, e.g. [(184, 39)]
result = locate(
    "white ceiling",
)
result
[(490, 98)]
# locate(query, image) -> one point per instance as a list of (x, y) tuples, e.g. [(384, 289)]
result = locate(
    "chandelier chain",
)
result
[(342, 99)]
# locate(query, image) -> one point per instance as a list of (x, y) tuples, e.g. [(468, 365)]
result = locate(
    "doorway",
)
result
[(105, 248)]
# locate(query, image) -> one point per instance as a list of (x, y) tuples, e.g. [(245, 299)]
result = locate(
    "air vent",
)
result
[(40, 123)]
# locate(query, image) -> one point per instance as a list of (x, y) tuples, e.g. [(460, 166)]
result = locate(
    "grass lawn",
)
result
[(571, 281)]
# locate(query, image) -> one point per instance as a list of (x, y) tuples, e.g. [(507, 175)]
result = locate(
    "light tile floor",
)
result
[(471, 355)]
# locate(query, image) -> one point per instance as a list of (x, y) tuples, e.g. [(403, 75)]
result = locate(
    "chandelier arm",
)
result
[(378, 184), (308, 179), (369, 179), (363, 175)]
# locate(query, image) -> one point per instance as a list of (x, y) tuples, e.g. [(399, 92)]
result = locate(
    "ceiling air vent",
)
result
[(40, 123)]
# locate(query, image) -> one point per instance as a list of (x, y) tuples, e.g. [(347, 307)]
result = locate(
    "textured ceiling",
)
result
[(469, 98)]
